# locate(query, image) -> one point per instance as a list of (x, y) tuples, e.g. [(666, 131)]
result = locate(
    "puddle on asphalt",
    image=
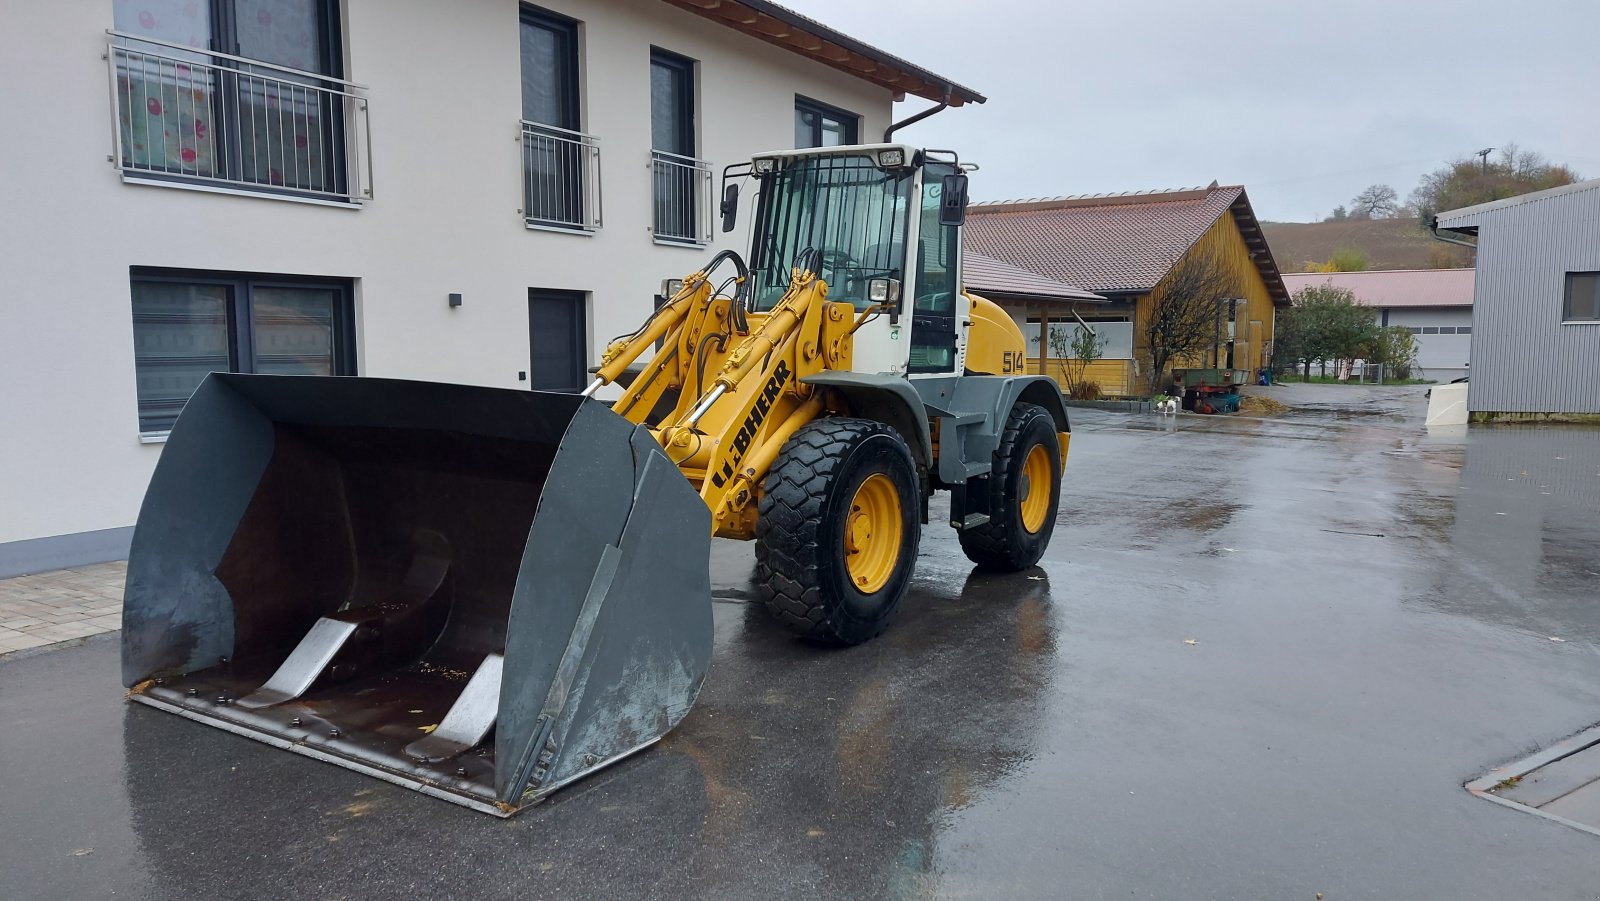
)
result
[(1202, 515), (1521, 520)]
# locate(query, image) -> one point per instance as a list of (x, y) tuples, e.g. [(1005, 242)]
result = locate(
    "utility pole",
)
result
[(1484, 153)]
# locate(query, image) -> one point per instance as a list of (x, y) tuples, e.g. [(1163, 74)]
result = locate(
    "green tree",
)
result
[(1324, 325), (1290, 342), (1469, 180), (1344, 259), (1076, 353), (1396, 349), (1349, 259), (1339, 214)]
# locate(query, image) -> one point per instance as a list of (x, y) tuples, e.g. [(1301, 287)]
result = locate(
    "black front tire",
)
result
[(801, 571), (1004, 543)]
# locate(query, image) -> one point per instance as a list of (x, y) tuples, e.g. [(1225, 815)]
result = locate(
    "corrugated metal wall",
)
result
[(1524, 360)]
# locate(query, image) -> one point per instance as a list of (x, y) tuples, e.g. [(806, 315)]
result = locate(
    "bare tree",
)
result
[(1376, 202), (1077, 353), (1186, 311)]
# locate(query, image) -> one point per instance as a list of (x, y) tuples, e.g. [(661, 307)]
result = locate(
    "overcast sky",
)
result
[(1303, 103)]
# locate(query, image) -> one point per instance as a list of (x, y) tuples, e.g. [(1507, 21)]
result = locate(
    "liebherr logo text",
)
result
[(758, 415)]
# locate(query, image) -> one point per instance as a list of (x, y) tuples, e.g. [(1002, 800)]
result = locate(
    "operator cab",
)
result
[(852, 212)]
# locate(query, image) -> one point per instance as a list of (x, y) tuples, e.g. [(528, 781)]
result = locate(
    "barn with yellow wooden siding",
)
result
[(1018, 291), (1123, 247)]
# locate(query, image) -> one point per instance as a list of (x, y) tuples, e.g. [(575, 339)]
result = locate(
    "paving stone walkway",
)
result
[(65, 604)]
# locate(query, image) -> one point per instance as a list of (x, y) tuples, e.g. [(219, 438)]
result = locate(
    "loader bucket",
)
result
[(480, 593)]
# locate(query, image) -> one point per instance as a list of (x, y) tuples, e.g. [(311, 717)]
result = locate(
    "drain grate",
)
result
[(1561, 783)]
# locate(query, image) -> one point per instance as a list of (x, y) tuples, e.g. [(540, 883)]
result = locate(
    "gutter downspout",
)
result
[(943, 104), (1433, 229)]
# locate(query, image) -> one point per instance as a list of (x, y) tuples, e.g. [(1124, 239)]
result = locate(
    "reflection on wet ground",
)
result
[(1260, 660)]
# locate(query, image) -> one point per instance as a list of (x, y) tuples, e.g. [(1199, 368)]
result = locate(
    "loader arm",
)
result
[(738, 396), (485, 594)]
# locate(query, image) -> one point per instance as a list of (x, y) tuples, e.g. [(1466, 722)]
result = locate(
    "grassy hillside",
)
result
[(1388, 243)]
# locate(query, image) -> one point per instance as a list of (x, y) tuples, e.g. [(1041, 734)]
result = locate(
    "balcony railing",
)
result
[(682, 186), (192, 117), (560, 178)]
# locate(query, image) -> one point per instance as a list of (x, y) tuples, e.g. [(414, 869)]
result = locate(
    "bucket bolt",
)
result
[(295, 721), (333, 733), (461, 771), (194, 692)]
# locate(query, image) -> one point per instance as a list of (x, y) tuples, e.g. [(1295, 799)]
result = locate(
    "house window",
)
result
[(549, 69), (1447, 330), (187, 324), (560, 163), (1115, 335), (681, 182), (199, 116), (557, 340), (820, 125), (1463, 329), (1430, 330), (1582, 303)]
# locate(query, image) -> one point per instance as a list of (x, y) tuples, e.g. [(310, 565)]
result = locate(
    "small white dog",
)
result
[(1167, 407)]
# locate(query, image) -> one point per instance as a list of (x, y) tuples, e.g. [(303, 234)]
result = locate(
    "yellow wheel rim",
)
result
[(1035, 491), (872, 533)]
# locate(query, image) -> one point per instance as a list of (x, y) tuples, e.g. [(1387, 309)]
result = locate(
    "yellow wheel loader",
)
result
[(485, 594)]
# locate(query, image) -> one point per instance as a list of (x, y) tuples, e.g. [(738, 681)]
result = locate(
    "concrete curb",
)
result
[(24, 653), (1118, 406)]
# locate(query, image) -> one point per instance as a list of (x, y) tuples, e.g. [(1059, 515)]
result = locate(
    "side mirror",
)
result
[(730, 206), (953, 200)]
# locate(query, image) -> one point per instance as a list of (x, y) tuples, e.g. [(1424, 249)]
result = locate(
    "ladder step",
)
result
[(972, 521)]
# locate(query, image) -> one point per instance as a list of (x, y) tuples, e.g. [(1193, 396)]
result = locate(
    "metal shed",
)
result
[(1536, 304)]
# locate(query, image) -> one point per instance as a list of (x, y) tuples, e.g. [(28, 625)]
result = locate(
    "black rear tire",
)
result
[(1004, 543), (801, 571)]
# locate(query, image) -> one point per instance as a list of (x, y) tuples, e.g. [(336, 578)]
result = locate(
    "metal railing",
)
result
[(187, 116), (682, 198), (560, 178)]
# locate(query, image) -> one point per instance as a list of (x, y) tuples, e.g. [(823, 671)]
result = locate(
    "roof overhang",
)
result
[(807, 37), (1260, 254), (1026, 297)]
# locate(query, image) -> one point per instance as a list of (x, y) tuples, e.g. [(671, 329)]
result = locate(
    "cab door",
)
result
[(937, 283)]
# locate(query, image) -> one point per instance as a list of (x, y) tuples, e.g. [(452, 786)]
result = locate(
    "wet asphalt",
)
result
[(1259, 661)]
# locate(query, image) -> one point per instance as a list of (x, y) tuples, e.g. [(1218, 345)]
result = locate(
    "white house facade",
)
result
[(480, 192)]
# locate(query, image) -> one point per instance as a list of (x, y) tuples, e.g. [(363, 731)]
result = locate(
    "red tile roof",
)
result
[(1116, 242), (995, 280), (1396, 287)]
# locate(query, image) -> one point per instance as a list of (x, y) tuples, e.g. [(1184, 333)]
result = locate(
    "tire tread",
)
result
[(789, 562), (995, 544)]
